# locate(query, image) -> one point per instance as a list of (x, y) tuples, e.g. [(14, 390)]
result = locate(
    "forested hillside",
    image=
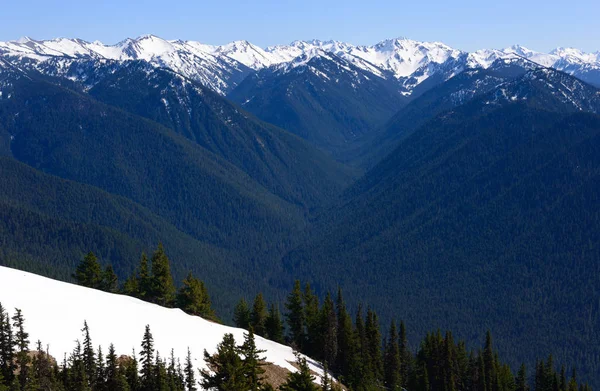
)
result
[(321, 98), (477, 215)]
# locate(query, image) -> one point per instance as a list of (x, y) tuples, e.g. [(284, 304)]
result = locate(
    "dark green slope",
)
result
[(445, 96), (485, 217), (75, 137), (49, 223), (327, 100), (284, 164)]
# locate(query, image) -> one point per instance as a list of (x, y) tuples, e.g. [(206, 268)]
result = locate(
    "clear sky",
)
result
[(464, 24)]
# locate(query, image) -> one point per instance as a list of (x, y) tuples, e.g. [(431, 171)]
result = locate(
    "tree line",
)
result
[(362, 359), (151, 281), (353, 350), (232, 367)]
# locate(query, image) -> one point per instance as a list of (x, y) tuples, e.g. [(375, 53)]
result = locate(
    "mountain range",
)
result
[(456, 189), (221, 68)]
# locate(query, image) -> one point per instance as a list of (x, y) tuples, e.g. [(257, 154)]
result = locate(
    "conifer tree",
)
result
[(78, 380), (7, 366), (162, 287), (88, 355), (303, 380), (43, 376), (110, 281), (147, 360), (521, 381), (159, 378), (241, 315), (489, 362), (252, 361), (193, 298), (405, 356), (274, 325), (313, 323), (572, 386), (145, 279), (328, 331), (373, 339), (115, 376), (190, 378), (89, 272), (100, 376), (226, 368), (295, 317), (391, 364), (345, 338), (258, 317), (325, 379), (131, 286), (22, 347), (132, 373)]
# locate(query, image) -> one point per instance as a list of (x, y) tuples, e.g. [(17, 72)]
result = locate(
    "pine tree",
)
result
[(521, 381), (226, 368), (115, 376), (295, 317), (131, 286), (303, 380), (325, 379), (252, 361), (89, 272), (328, 331), (193, 298), (88, 355), (100, 376), (572, 386), (190, 378), (7, 353), (405, 356), (132, 373), (345, 339), (159, 378), (43, 376), (274, 325), (145, 279), (78, 380), (489, 362), (162, 287), (258, 317), (391, 363), (22, 347), (241, 315), (373, 339), (110, 281), (147, 359), (313, 323)]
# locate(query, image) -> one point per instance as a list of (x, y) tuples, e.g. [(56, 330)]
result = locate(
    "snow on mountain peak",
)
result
[(222, 67)]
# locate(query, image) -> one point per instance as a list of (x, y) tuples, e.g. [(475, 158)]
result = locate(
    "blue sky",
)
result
[(467, 25)]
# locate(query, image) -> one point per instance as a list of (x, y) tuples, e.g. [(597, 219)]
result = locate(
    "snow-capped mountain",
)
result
[(222, 68), (56, 318), (320, 97)]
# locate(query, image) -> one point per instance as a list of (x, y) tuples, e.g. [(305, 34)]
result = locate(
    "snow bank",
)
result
[(54, 312)]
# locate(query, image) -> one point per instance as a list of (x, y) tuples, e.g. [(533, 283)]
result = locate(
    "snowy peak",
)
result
[(223, 67), (248, 54)]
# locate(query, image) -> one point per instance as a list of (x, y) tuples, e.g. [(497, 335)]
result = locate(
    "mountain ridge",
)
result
[(222, 67)]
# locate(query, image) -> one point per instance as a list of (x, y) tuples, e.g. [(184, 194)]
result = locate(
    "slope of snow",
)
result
[(248, 54), (54, 313), (221, 68)]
